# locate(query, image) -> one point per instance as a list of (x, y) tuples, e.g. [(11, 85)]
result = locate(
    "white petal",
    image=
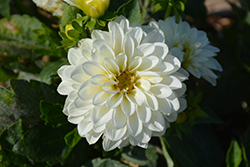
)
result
[(165, 106), (109, 145), (87, 91), (144, 113), (100, 98), (128, 47), (121, 60), (104, 35), (127, 106), (110, 87), (136, 96), (111, 66), (157, 122), (117, 38), (83, 105), (161, 50), (174, 101), (114, 134), (172, 117), (136, 33), (100, 115), (65, 87), (74, 55), (99, 129), (151, 101), (79, 75), (114, 100), (93, 68), (92, 137), (148, 63), (183, 104), (161, 90), (173, 82), (143, 84), (134, 125), (84, 127), (106, 51), (75, 120), (144, 136), (135, 63), (154, 36), (99, 79), (144, 50), (118, 118)]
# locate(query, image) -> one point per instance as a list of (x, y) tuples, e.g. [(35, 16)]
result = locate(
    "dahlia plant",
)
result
[(114, 83)]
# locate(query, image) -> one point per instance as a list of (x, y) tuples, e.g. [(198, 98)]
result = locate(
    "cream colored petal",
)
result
[(100, 115), (99, 79), (110, 87), (74, 55), (109, 145), (75, 119), (136, 34), (144, 136), (84, 127), (100, 98), (87, 91), (92, 68), (111, 65), (114, 100), (107, 51), (157, 122), (144, 113), (135, 64), (128, 47), (92, 137), (148, 63), (143, 84), (136, 96), (118, 118), (83, 105), (117, 38), (134, 125), (154, 36), (151, 101), (127, 106), (144, 50), (114, 134), (161, 90), (164, 106), (121, 60), (79, 75)]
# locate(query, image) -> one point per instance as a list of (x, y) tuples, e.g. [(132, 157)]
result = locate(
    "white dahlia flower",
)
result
[(198, 54), (122, 85)]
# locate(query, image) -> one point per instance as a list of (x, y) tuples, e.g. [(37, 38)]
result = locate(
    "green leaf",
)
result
[(50, 69), (201, 148), (44, 144), (29, 94), (143, 157), (6, 74), (5, 8), (130, 10), (10, 109), (52, 114), (98, 162), (158, 7), (91, 23), (72, 138), (69, 14), (234, 155)]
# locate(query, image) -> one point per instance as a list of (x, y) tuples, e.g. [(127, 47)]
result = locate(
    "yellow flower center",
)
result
[(126, 81)]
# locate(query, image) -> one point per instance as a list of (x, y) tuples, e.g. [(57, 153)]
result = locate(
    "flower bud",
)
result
[(94, 8), (69, 27)]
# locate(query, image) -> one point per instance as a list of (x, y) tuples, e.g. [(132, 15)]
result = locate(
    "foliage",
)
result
[(214, 130)]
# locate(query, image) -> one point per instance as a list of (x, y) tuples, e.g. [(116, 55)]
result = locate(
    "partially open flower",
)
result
[(122, 85), (198, 54), (92, 8)]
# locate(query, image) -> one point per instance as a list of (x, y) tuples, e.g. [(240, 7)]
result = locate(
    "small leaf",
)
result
[(157, 8), (52, 114), (91, 23), (44, 144), (72, 138), (130, 10), (234, 155), (180, 5)]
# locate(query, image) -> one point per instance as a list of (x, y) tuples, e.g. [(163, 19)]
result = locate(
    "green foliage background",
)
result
[(213, 131)]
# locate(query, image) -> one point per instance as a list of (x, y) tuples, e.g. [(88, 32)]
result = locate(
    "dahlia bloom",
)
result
[(52, 6), (92, 8), (197, 53), (122, 85)]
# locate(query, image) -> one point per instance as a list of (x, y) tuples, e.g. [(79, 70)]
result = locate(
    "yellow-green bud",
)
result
[(67, 28), (94, 8)]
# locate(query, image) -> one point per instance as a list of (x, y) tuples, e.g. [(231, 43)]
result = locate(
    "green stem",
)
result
[(169, 160), (168, 10)]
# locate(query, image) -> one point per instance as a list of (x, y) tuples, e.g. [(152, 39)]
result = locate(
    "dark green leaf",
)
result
[(131, 10), (5, 8), (51, 69), (201, 148), (234, 155), (6, 74), (29, 94), (158, 7), (52, 114), (98, 162), (143, 157), (44, 144), (72, 138)]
